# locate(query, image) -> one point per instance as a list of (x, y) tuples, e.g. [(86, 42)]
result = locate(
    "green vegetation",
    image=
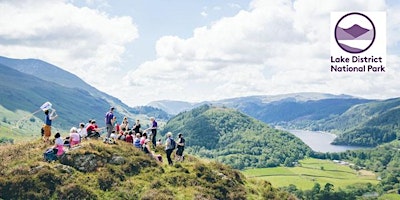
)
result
[(235, 139), (384, 160), (310, 171), (319, 179), (101, 171), (368, 124)]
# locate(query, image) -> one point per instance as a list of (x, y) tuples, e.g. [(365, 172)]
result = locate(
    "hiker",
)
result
[(169, 147), (153, 129), (136, 141), (109, 120), (129, 137), (147, 150), (143, 139), (74, 137), (159, 143), (93, 130), (82, 130), (122, 134), (59, 144), (136, 127), (47, 127), (124, 124), (180, 147)]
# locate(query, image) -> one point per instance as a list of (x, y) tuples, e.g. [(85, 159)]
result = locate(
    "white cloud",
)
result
[(81, 40), (275, 47)]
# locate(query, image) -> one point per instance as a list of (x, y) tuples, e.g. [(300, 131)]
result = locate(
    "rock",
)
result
[(117, 160), (84, 163), (64, 168)]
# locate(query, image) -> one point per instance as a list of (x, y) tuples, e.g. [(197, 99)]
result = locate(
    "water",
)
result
[(321, 141)]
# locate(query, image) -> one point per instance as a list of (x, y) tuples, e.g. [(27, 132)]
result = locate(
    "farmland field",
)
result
[(311, 171)]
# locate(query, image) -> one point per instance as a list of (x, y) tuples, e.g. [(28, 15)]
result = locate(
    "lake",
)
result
[(321, 141)]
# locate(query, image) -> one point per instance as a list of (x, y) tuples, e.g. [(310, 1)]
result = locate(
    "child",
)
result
[(136, 142)]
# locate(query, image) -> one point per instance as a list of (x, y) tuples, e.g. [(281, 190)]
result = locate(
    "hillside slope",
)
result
[(53, 74), (235, 139), (368, 124), (100, 171), (25, 92)]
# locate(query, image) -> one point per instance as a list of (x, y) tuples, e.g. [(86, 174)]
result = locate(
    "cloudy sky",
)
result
[(142, 51)]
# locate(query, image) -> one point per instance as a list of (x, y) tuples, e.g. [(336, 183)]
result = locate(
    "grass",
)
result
[(311, 171), (390, 197), (24, 175)]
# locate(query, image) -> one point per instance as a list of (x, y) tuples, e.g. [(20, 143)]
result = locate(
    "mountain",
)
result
[(172, 107), (235, 139), (367, 124), (356, 30), (285, 109), (103, 171), (54, 74), (22, 91)]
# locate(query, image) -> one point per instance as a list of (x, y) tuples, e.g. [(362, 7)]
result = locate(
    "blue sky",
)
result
[(142, 51)]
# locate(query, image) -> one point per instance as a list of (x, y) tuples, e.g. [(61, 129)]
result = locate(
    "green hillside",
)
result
[(27, 93), (102, 171), (235, 139), (368, 124)]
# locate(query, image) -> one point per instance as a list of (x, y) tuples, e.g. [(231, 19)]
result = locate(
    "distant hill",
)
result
[(286, 109), (172, 107), (27, 83), (368, 124), (235, 139), (54, 74), (102, 171), (22, 91)]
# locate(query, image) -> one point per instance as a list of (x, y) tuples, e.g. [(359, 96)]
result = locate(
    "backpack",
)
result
[(50, 155), (173, 144)]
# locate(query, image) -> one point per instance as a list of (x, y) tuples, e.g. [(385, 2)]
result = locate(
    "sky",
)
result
[(142, 51)]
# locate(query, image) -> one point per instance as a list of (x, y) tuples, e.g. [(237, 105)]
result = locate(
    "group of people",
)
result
[(141, 139)]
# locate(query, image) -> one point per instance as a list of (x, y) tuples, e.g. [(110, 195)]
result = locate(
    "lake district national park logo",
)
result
[(355, 32), (358, 42)]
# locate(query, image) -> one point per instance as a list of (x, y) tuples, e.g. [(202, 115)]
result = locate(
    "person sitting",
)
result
[(74, 137), (147, 150), (59, 144), (136, 141), (136, 127), (129, 137), (82, 130), (122, 134), (159, 143), (143, 139), (93, 130), (124, 124)]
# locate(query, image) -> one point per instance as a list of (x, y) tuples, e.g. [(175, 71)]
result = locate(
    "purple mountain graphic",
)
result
[(350, 49), (342, 34), (356, 30), (369, 35)]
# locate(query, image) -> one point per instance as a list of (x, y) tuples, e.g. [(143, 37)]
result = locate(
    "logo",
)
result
[(355, 33), (358, 42)]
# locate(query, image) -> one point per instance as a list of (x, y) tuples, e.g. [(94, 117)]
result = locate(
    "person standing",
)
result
[(109, 119), (169, 148), (153, 130), (47, 126), (180, 147)]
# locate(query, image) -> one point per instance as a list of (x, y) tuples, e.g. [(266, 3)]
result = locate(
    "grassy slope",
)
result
[(310, 172), (23, 174)]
